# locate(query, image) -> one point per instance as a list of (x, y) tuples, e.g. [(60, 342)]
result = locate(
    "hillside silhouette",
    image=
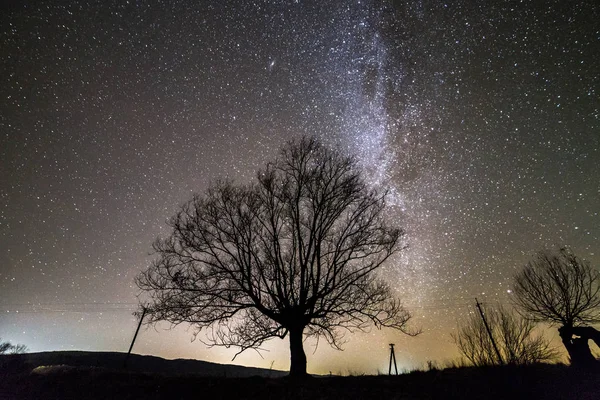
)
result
[(114, 361)]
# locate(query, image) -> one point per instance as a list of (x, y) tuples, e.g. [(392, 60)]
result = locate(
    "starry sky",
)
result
[(481, 118)]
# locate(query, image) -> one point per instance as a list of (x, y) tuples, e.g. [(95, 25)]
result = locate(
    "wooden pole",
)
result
[(489, 331), (144, 309)]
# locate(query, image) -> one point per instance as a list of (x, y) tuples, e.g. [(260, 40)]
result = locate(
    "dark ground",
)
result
[(510, 382)]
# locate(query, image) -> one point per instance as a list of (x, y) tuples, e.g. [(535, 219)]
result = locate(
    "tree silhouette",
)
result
[(293, 254), (562, 289), (513, 335), (9, 348)]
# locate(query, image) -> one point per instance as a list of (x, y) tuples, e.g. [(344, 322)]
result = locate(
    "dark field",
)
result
[(531, 382)]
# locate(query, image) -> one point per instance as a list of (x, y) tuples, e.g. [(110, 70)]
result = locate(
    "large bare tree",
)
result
[(295, 253), (514, 339), (564, 290)]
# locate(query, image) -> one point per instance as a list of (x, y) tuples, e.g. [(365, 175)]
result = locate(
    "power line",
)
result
[(106, 306), (65, 311), (67, 307), (65, 304)]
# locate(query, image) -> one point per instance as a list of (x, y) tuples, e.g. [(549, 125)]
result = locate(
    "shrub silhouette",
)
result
[(513, 335)]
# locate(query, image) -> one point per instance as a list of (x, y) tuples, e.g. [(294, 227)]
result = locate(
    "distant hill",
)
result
[(139, 363)]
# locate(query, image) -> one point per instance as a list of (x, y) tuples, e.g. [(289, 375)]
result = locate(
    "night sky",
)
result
[(482, 118)]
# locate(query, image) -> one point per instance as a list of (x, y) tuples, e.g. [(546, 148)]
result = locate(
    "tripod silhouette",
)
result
[(392, 357)]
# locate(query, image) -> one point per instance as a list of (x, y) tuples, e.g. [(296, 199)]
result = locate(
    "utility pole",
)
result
[(144, 309), (489, 331), (392, 357)]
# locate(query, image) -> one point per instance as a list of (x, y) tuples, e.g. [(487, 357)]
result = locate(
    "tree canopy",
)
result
[(559, 288)]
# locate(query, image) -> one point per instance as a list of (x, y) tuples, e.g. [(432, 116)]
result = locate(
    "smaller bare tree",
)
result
[(514, 337), (9, 348), (562, 289)]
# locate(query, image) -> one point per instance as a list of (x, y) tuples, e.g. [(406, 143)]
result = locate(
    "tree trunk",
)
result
[(579, 351), (298, 357)]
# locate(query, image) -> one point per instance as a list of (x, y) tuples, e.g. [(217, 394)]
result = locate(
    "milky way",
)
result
[(480, 119)]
